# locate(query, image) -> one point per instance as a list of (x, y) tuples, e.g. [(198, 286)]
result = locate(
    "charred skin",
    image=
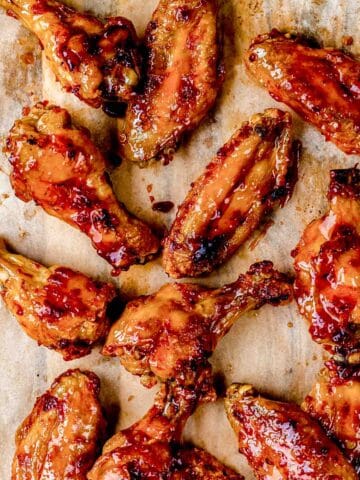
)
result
[(96, 62), (327, 265), (182, 79), (171, 334), (58, 166), (280, 441), (321, 84), (63, 434), (335, 402), (250, 175), (59, 308)]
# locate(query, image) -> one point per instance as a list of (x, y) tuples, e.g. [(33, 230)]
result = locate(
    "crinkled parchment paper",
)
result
[(269, 348)]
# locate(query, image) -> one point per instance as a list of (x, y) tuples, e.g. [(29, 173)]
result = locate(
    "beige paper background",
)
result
[(262, 348)]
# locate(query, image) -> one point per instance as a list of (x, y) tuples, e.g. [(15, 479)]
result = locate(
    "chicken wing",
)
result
[(171, 334), (98, 63), (59, 308), (182, 79), (335, 402), (280, 441), (327, 265), (321, 84), (58, 166), (62, 436), (248, 177)]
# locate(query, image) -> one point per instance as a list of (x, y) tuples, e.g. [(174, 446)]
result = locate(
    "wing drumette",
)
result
[(98, 63), (280, 441), (59, 167), (59, 308), (327, 264), (171, 334), (182, 79), (320, 84), (62, 436), (247, 178)]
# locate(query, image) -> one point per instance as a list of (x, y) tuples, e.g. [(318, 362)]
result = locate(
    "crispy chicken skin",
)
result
[(171, 333), (150, 448), (248, 177), (182, 79), (58, 307), (62, 436), (335, 402), (321, 84), (327, 265), (98, 63), (59, 167), (280, 441)]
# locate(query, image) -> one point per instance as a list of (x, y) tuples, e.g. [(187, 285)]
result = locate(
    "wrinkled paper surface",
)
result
[(270, 348)]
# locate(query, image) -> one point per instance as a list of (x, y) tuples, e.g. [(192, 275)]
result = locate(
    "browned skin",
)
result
[(327, 265), (321, 84), (58, 166), (62, 436), (58, 307), (98, 63), (171, 334), (150, 448), (249, 176), (280, 441), (335, 402), (182, 79)]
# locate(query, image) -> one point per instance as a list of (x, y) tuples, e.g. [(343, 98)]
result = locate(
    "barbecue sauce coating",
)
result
[(249, 176), (62, 436), (96, 62), (58, 166), (280, 441), (59, 308), (181, 83), (327, 265), (171, 334), (321, 84)]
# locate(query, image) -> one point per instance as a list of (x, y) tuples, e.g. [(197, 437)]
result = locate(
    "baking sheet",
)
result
[(269, 348)]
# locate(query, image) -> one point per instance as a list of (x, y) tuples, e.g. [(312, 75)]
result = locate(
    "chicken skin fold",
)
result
[(58, 166), (171, 334), (96, 62), (335, 402), (59, 308), (63, 434), (322, 85), (150, 448), (182, 79), (249, 176), (280, 441), (327, 265)]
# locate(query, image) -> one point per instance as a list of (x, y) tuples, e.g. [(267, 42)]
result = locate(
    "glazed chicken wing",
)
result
[(58, 166), (280, 441), (321, 84), (248, 177), (62, 436), (182, 79), (59, 308), (171, 334), (335, 402), (327, 265), (98, 63)]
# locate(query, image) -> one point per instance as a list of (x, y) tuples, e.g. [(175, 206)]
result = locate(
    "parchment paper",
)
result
[(270, 348)]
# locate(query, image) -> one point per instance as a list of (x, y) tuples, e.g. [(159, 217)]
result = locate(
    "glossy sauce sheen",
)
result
[(61, 437), (321, 84), (59, 167), (96, 62), (280, 441), (250, 175)]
